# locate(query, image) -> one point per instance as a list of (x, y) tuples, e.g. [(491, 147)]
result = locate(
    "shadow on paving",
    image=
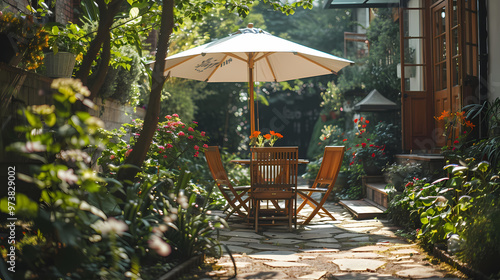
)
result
[(324, 249)]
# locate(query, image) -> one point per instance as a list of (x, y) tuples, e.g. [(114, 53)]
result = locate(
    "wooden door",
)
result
[(440, 65)]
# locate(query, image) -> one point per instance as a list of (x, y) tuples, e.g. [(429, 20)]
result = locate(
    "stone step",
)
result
[(363, 209), (377, 193)]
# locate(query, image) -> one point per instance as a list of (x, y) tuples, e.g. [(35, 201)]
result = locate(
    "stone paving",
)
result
[(324, 249)]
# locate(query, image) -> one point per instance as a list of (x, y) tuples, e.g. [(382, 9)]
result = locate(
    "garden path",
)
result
[(325, 249)]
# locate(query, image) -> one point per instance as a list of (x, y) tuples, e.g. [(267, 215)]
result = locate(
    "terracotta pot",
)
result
[(324, 118)]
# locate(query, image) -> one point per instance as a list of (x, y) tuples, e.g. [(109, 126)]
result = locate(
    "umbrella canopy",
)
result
[(252, 55)]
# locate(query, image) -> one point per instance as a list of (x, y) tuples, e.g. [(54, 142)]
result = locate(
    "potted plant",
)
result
[(312, 170), (372, 157), (66, 42), (398, 174)]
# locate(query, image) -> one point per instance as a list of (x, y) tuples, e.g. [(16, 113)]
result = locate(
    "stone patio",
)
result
[(324, 249)]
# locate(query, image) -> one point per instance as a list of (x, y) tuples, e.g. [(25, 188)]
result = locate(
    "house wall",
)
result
[(493, 49)]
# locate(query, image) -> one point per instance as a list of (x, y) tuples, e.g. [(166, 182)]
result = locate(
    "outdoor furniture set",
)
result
[(271, 199)]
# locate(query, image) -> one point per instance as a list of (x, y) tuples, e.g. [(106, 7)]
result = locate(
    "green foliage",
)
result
[(122, 82), (400, 173), (86, 225), (70, 38)]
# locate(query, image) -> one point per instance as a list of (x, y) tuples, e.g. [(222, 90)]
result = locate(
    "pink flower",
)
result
[(203, 133), (205, 146), (190, 129), (181, 134), (169, 146), (196, 147), (128, 152), (161, 147), (175, 115), (165, 156), (195, 122), (168, 117), (161, 247), (196, 154), (190, 137)]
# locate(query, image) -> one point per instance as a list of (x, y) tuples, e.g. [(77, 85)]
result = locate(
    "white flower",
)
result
[(67, 176), (111, 225), (36, 146), (161, 247)]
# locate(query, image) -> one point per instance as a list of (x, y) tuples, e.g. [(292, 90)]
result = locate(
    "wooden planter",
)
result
[(59, 65)]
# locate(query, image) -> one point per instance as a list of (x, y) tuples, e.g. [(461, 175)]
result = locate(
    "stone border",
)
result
[(463, 267)]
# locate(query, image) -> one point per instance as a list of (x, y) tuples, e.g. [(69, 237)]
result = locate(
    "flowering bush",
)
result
[(30, 38), (456, 129), (363, 148), (257, 140), (174, 144)]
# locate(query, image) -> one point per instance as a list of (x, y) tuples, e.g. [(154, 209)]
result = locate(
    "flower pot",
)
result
[(324, 118), (372, 169), (59, 65), (333, 115)]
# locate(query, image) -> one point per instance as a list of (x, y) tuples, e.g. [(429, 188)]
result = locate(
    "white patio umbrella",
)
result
[(252, 55)]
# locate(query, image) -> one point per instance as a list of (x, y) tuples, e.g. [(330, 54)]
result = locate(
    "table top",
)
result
[(247, 161)]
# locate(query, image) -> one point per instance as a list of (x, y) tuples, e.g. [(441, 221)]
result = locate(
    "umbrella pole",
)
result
[(250, 89)]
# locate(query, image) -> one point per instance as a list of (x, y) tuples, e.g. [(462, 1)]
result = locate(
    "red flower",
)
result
[(196, 147), (371, 145), (344, 140), (169, 146), (190, 137), (455, 142), (203, 133), (181, 134), (175, 115), (205, 146), (363, 145), (373, 155), (356, 120), (190, 129)]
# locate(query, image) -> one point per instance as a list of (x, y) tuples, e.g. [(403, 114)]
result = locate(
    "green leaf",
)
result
[(134, 12), (55, 30), (50, 119), (428, 200), (33, 119), (448, 227), (23, 206), (483, 166)]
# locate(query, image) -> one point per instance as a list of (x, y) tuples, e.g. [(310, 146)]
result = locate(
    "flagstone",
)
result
[(358, 264), (323, 245), (239, 249), (314, 276), (314, 235), (285, 264), (267, 247), (283, 241), (239, 233), (325, 240), (276, 256), (274, 234), (357, 225), (419, 272), (354, 255), (311, 257), (363, 276), (362, 229), (309, 250), (360, 239), (405, 252), (370, 248), (241, 239), (267, 275), (348, 235), (238, 264), (234, 243)]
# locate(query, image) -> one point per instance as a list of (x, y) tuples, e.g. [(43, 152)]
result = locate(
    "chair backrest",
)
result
[(214, 161), (330, 166), (274, 167)]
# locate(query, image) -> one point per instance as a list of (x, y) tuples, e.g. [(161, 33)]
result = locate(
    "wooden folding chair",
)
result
[(324, 182), (274, 179), (233, 195)]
